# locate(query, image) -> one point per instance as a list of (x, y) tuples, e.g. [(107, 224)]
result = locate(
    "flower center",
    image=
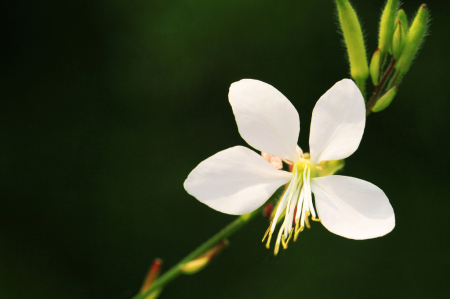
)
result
[(295, 205)]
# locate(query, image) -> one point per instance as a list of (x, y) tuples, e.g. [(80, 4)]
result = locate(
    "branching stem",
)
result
[(379, 88)]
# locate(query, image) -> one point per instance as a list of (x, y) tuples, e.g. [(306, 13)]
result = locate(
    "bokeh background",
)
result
[(108, 105)]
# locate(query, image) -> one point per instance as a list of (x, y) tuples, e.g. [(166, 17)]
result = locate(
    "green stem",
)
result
[(175, 271)]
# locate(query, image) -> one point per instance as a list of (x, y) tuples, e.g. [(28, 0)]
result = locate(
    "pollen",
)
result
[(295, 206)]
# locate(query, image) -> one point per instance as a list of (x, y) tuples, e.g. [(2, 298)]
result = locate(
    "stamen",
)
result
[(286, 216), (283, 200), (299, 205), (310, 203), (307, 220), (305, 202), (284, 243), (267, 231), (290, 215), (298, 231), (294, 208), (311, 206), (290, 236), (268, 240), (279, 209), (277, 243)]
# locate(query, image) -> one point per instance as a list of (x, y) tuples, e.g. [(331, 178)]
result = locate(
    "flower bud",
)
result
[(375, 67), (152, 275), (154, 294), (354, 41), (398, 41), (414, 39), (387, 26), (385, 100), (203, 260), (401, 16)]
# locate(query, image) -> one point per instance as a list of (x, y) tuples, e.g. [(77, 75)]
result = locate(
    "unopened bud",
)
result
[(385, 100), (375, 67), (398, 41), (354, 41), (401, 16), (414, 39), (387, 26), (154, 294), (152, 275), (203, 260)]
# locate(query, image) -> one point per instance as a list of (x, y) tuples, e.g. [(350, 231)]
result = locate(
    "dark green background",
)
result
[(107, 106)]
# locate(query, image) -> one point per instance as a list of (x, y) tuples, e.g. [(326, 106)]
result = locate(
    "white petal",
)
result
[(337, 123), (265, 118), (235, 181), (352, 208)]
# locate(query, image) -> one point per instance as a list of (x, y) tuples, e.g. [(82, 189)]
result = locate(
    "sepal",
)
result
[(326, 168)]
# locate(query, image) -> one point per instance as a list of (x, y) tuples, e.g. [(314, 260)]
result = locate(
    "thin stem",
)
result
[(175, 271), (379, 88)]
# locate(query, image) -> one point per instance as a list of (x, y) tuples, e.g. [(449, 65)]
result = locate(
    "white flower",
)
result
[(238, 180)]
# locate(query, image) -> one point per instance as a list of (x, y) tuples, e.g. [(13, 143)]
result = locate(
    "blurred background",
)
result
[(108, 105)]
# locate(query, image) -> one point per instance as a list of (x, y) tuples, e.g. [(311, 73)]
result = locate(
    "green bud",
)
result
[(375, 67), (385, 100), (387, 26), (413, 42), (154, 294), (398, 41), (354, 41), (204, 259), (401, 15)]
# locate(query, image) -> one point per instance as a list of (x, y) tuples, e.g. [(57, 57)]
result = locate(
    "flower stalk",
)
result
[(177, 270), (374, 98), (201, 256), (397, 41)]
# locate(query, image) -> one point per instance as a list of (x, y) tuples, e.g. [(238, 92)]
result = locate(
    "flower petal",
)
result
[(235, 181), (265, 118), (337, 123), (352, 208)]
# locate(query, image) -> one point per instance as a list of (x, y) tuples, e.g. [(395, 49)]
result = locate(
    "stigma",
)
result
[(295, 206)]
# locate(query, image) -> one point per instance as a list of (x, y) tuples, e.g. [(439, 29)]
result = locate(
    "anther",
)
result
[(277, 248), (298, 231), (283, 242), (268, 240), (267, 231), (290, 236), (307, 220)]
